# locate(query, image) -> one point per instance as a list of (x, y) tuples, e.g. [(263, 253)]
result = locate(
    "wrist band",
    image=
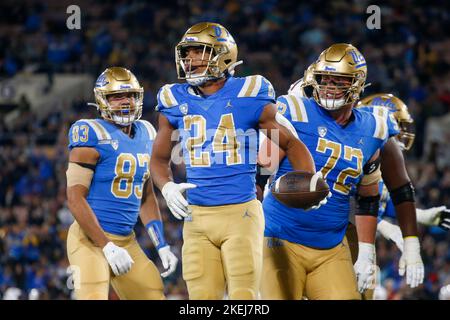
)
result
[(156, 233)]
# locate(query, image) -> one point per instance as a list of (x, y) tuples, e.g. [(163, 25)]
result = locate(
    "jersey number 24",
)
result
[(224, 140)]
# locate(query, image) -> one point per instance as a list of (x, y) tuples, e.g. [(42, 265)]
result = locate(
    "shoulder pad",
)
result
[(381, 128), (256, 85), (166, 98), (100, 131), (149, 127), (87, 133), (296, 107), (381, 111)]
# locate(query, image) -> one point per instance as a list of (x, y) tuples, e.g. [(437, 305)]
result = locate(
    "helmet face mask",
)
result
[(207, 60), (407, 134), (123, 113), (333, 91), (119, 81), (215, 48)]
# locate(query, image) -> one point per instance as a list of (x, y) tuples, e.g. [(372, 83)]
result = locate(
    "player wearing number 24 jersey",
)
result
[(108, 187), (218, 117)]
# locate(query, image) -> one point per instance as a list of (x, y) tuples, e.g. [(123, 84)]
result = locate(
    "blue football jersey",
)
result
[(384, 110), (340, 153), (123, 167), (219, 136), (387, 208), (385, 113)]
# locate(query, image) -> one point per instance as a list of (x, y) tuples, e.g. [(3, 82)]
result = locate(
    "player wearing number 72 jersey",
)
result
[(218, 117), (108, 187), (306, 252)]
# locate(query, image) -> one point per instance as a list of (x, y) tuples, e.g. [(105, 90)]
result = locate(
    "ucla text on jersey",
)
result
[(121, 171), (218, 136), (340, 153)]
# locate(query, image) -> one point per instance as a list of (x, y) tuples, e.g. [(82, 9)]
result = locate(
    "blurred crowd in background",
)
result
[(409, 57)]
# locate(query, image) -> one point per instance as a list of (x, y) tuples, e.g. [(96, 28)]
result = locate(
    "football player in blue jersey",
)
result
[(395, 178), (306, 253), (218, 117), (436, 216), (395, 172), (108, 187)]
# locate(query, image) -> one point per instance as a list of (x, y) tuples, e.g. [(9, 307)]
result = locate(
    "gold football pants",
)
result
[(291, 271), (92, 274), (223, 248)]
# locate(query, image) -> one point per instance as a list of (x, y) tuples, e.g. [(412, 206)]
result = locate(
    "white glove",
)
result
[(391, 232), (312, 187), (365, 266), (436, 216), (411, 262), (118, 258), (172, 193), (168, 259)]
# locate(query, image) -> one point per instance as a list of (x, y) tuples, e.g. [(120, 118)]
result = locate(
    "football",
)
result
[(295, 190)]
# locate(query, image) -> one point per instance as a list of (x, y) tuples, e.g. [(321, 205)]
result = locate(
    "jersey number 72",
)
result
[(336, 153)]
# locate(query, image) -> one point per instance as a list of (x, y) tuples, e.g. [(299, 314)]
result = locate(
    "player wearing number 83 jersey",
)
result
[(108, 187), (117, 185)]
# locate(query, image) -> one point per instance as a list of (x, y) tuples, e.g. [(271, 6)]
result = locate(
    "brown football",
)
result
[(293, 190)]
